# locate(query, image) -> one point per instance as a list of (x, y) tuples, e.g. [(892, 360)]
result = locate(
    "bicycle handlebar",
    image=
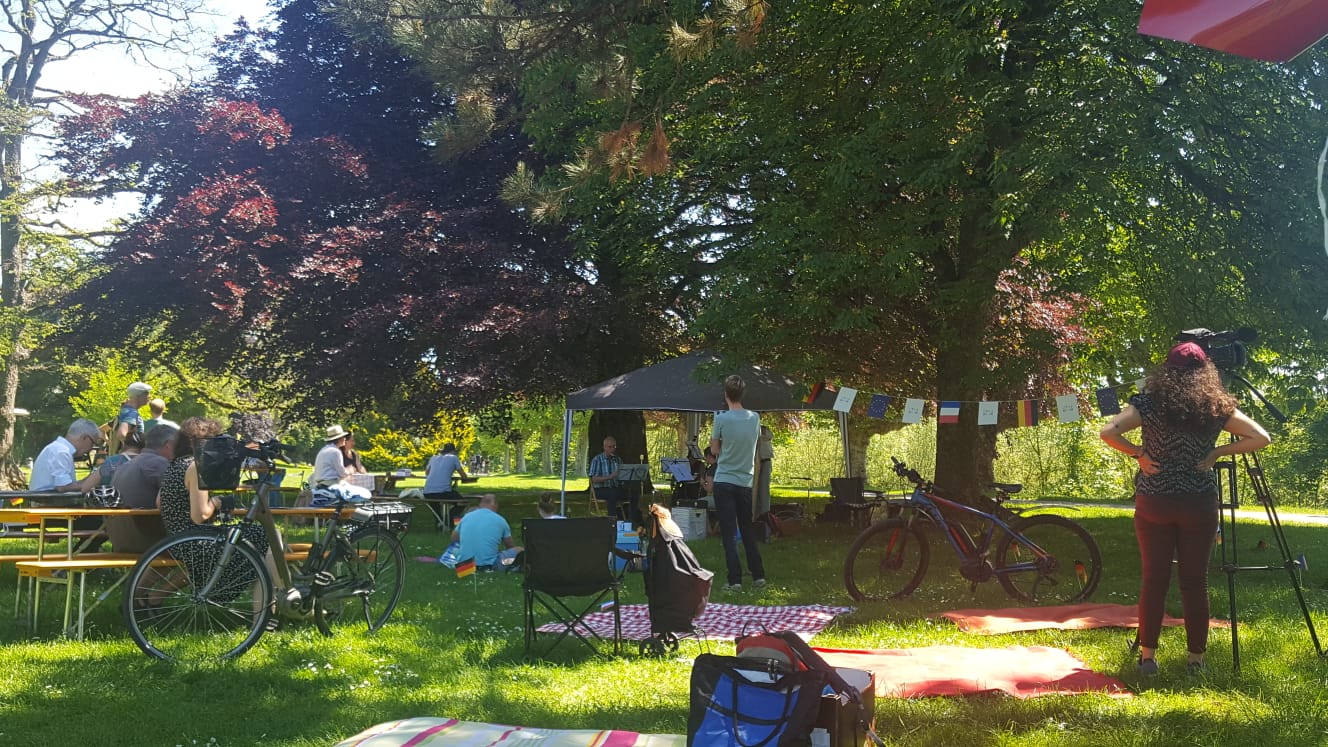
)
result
[(268, 451), (908, 473)]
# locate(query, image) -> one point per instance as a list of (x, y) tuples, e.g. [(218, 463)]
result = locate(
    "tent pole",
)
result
[(843, 442), (567, 437)]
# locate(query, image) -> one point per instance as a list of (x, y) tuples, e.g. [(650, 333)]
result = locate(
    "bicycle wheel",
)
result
[(1051, 560), (364, 575), (886, 561), (170, 617)]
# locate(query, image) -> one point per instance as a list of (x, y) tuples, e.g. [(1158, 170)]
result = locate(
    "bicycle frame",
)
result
[(930, 505)]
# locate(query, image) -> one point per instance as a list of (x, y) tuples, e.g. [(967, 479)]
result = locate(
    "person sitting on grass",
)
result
[(482, 533), (549, 503)]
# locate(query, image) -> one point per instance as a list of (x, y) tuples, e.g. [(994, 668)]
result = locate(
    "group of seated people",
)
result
[(484, 535)]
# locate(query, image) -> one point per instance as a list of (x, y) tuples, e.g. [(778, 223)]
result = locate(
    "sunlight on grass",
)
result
[(454, 648)]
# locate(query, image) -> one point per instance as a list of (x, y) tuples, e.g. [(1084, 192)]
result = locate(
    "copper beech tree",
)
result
[(295, 231)]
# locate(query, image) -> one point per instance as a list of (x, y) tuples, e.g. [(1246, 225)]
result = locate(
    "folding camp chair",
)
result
[(848, 502), (570, 558)]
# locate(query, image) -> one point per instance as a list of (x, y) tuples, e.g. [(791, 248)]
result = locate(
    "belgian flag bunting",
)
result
[(1028, 412)]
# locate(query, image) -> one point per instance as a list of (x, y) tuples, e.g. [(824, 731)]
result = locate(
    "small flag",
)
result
[(844, 400), (988, 412), (1081, 571), (1067, 408), (879, 404), (1108, 402), (465, 568), (1027, 412), (912, 411), (814, 393), (949, 412)]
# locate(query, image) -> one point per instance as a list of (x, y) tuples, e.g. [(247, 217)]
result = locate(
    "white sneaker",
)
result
[(732, 587), (759, 583)]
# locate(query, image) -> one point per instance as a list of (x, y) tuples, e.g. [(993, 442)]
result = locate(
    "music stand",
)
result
[(679, 469), (633, 472)]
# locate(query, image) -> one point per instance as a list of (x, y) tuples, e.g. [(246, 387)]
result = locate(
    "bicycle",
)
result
[(194, 612), (1042, 558)]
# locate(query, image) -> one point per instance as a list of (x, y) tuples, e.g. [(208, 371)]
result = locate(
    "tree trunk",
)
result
[(860, 432), (628, 428), (12, 272), (546, 449), (519, 446)]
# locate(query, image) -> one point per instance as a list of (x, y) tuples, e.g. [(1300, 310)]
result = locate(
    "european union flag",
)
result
[(1108, 402), (878, 405)]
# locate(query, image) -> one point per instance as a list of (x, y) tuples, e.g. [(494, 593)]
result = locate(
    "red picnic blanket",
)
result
[(1064, 617), (1021, 671)]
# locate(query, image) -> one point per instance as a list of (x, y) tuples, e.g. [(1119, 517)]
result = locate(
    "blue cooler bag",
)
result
[(751, 702)]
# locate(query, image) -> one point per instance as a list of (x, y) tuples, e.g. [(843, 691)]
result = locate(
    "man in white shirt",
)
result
[(330, 466), (54, 468)]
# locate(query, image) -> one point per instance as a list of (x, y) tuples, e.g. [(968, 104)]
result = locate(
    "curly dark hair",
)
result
[(191, 430), (1193, 398)]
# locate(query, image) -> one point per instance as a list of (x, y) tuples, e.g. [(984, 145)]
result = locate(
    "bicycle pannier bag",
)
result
[(751, 702), (218, 460)]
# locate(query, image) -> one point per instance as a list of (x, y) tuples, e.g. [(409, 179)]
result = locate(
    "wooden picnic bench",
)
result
[(68, 571)]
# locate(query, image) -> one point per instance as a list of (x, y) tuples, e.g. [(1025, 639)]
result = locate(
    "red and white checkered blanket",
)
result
[(719, 622)]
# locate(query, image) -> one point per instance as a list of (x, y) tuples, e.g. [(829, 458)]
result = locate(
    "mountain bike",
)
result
[(1042, 558), (206, 595)]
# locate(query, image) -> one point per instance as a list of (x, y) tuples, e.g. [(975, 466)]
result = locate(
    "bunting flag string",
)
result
[(912, 411), (1027, 412), (1069, 407)]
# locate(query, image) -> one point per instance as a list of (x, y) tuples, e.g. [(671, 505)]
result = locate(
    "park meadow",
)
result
[(454, 648)]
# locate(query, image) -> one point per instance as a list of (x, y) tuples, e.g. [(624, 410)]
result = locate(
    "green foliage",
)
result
[(100, 399), (390, 449)]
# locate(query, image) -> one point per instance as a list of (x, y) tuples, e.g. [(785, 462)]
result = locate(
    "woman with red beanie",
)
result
[(1182, 411)]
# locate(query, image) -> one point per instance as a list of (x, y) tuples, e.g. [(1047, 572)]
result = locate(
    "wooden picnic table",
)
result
[(76, 564)]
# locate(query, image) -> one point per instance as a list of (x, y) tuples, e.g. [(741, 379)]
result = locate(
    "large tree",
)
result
[(296, 230), (34, 36), (904, 196)]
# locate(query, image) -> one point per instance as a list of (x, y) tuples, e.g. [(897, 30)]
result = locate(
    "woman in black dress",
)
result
[(185, 507)]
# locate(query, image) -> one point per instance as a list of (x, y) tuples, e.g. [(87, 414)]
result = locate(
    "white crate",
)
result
[(692, 521)]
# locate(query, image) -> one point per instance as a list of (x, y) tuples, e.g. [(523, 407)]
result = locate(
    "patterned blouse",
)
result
[(1177, 451)]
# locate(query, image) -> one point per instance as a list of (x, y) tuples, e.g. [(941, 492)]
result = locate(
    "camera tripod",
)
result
[(1229, 495)]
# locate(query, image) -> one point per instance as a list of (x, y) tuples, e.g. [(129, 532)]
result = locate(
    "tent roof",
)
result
[(674, 385)]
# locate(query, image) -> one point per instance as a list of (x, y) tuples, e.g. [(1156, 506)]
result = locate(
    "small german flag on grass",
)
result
[(465, 568)]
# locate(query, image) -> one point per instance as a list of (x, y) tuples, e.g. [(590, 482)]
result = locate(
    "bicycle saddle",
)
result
[(1009, 488)]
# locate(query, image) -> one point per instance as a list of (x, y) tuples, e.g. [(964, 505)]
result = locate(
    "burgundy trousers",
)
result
[(1181, 527)]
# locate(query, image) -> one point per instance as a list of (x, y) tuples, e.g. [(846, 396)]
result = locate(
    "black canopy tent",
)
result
[(693, 383)]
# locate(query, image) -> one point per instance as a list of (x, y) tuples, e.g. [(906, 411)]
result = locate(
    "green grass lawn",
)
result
[(454, 648)]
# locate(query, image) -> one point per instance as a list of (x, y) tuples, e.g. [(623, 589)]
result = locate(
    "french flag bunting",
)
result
[(948, 412), (988, 412), (878, 405), (1108, 401), (1027, 412)]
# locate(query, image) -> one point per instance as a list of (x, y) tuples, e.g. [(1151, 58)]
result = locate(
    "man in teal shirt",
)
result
[(733, 444)]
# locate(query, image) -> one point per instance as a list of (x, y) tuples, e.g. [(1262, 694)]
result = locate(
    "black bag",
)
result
[(751, 702), (218, 461)]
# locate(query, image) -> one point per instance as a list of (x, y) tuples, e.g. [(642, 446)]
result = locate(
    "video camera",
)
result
[(1225, 349)]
